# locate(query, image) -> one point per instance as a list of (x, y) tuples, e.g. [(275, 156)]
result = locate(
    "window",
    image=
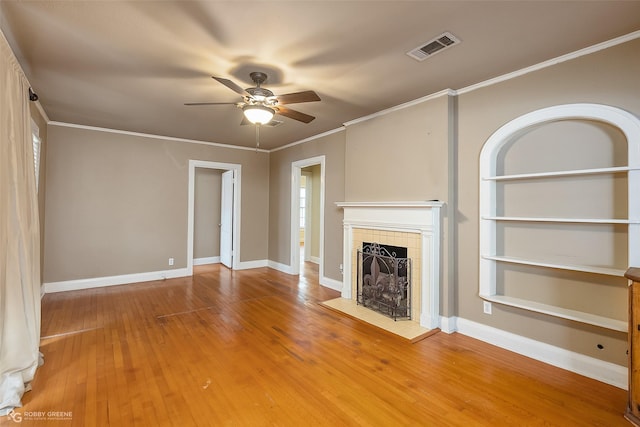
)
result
[(303, 199), (35, 138)]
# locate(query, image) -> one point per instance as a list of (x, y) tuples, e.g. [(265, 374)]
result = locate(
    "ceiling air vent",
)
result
[(430, 48)]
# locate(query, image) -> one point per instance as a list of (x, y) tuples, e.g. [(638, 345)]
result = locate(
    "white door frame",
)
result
[(296, 171), (193, 164), (308, 217), (228, 179)]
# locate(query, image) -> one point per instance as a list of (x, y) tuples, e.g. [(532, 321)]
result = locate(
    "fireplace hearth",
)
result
[(384, 280)]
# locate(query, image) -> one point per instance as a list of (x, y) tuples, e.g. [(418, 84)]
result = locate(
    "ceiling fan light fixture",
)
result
[(258, 114)]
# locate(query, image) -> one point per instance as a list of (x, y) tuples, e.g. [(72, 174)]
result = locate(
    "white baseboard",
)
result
[(280, 267), (97, 282), (600, 370), (448, 325), (336, 285), (246, 265), (324, 281), (207, 260), (314, 259)]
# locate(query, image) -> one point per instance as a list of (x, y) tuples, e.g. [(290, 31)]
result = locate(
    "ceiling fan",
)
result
[(259, 104)]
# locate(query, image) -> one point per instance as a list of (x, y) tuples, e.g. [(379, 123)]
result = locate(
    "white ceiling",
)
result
[(131, 65)]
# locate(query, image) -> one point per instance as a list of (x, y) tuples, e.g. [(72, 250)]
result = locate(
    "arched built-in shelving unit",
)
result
[(545, 283)]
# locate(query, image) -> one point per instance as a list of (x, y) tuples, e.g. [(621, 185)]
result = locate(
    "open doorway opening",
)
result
[(307, 216), (224, 225), (207, 214), (310, 214)]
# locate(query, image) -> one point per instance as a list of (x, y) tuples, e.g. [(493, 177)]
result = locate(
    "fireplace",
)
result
[(411, 225), (384, 279)]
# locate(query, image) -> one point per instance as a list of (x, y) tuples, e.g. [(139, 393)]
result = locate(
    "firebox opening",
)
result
[(384, 280)]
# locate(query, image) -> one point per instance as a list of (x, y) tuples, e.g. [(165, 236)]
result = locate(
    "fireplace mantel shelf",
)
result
[(411, 204)]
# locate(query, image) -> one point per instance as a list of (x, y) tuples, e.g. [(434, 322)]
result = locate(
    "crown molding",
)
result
[(558, 60), (148, 135), (445, 92), (311, 138)]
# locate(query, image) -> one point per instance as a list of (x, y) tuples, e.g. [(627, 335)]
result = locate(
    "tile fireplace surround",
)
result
[(414, 225)]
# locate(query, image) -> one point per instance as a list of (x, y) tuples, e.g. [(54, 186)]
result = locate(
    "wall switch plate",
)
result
[(170, 261), (486, 307)]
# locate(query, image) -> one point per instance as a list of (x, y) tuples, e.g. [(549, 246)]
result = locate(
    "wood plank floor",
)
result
[(255, 348)]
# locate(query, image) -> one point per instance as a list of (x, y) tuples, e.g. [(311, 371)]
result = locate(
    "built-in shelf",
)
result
[(576, 172), (582, 268), (565, 313), (564, 220), (400, 204), (493, 200)]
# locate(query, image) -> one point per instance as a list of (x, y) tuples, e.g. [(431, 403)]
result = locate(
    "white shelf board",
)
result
[(565, 313), (400, 204), (597, 171), (582, 268), (565, 220)]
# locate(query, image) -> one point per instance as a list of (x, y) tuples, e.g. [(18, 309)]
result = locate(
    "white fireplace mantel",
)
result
[(420, 217)]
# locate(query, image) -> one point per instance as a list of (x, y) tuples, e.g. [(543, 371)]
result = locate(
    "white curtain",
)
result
[(19, 237)]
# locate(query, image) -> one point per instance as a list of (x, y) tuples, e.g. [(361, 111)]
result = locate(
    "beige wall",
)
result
[(117, 203), (332, 147), (607, 77), (408, 155), (399, 156), (206, 215)]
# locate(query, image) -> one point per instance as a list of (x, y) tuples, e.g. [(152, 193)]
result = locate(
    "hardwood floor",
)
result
[(255, 348)]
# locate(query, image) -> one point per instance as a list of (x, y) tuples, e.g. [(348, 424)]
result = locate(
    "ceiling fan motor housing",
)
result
[(258, 77), (259, 92)]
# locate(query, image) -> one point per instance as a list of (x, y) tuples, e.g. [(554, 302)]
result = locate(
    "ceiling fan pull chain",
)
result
[(257, 136)]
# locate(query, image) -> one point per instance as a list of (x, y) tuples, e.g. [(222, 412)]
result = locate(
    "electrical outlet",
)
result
[(170, 261), (486, 307)]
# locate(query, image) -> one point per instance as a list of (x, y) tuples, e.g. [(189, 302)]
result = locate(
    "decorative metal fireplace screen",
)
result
[(384, 280)]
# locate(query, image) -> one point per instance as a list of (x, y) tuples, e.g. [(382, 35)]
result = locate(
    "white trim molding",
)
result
[(448, 325), (98, 282), (445, 92), (237, 192), (149, 135), (206, 260), (247, 265), (311, 138), (336, 285), (284, 268), (597, 369), (296, 171), (560, 59)]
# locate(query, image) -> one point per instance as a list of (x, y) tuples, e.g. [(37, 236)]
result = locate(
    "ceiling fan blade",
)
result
[(231, 85), (298, 97), (210, 103), (293, 114)]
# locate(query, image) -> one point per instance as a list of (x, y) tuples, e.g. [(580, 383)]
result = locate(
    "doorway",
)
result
[(229, 225), (307, 213), (207, 215)]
